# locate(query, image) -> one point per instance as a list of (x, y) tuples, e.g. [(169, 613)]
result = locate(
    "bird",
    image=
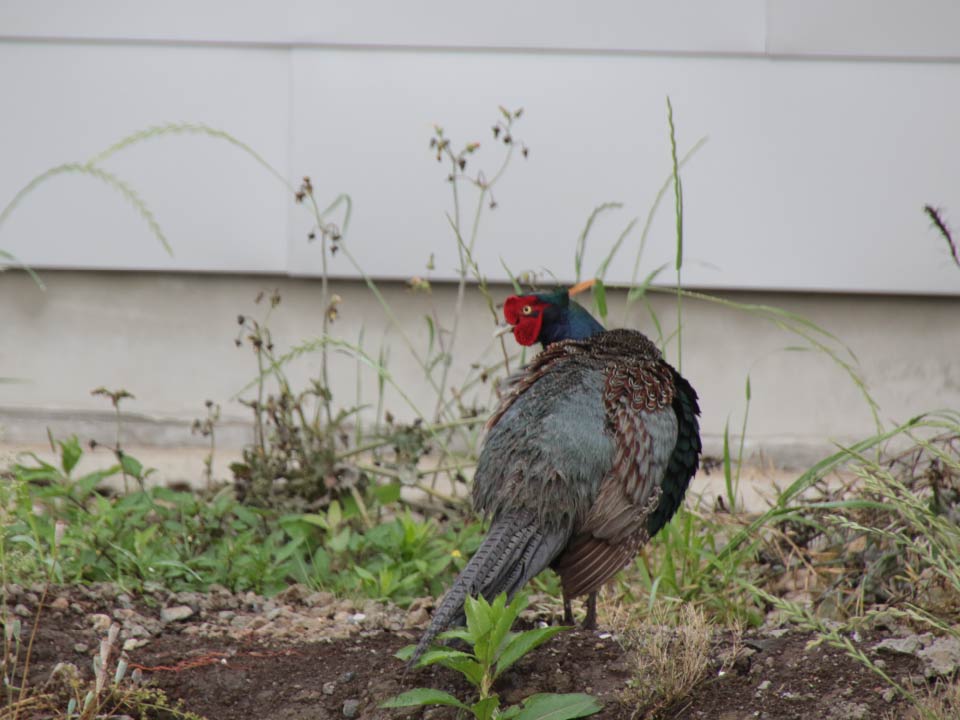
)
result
[(586, 457)]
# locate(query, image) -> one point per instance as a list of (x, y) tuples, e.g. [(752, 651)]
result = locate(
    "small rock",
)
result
[(293, 594), (351, 708), (416, 618), (81, 648), (905, 646), (257, 622), (307, 695), (850, 711), (329, 688), (889, 695), (226, 615), (100, 622), (175, 613), (357, 618), (764, 685), (60, 603), (21, 610), (348, 676), (134, 643), (942, 657), (318, 598), (135, 630)]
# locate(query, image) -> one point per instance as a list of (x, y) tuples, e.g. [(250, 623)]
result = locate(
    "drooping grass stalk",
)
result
[(11, 258), (836, 638), (745, 540), (581, 246), (731, 481), (803, 327), (186, 128), (678, 210), (645, 232), (90, 170)]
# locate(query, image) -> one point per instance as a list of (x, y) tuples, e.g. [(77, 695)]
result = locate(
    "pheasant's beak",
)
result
[(502, 330)]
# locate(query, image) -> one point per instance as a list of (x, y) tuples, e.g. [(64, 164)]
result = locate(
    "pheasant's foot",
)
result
[(590, 621)]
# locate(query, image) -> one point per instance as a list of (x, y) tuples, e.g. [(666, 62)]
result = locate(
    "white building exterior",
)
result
[(829, 126)]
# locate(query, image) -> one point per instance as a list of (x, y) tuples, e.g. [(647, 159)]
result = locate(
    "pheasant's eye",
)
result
[(526, 310)]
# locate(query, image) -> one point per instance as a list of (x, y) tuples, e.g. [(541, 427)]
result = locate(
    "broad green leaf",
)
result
[(131, 465), (387, 494), (457, 634), (484, 709), (334, 514), (338, 543), (600, 297), (510, 712), (70, 453), (423, 696), (440, 654), (362, 572), (550, 706), (478, 621), (505, 619), (405, 653), (315, 519), (466, 666), (88, 483), (522, 643)]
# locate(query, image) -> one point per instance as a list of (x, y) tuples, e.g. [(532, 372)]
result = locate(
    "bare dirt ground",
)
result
[(309, 656)]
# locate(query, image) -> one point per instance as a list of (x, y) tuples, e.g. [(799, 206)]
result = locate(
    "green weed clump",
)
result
[(158, 537)]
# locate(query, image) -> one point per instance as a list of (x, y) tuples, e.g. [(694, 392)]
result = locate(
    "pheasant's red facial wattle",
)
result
[(525, 313)]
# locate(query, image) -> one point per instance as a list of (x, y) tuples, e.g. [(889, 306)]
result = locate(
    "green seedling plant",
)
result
[(494, 648)]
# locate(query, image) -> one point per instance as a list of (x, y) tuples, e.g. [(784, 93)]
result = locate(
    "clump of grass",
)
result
[(885, 545), (669, 650), (941, 701)]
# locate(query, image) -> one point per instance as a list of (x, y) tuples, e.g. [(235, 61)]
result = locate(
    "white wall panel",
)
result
[(66, 102), (814, 176), (648, 25), (864, 28)]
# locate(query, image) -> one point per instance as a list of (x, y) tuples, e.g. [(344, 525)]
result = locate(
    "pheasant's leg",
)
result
[(567, 611), (590, 621)]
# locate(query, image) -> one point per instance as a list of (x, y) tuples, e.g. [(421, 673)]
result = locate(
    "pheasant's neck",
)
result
[(577, 326)]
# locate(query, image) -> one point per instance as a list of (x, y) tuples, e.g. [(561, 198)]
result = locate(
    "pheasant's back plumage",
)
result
[(587, 456), (589, 438)]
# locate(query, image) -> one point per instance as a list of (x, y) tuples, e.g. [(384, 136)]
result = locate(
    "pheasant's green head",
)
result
[(548, 317)]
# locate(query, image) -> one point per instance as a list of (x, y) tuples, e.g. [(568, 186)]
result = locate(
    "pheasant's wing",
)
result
[(637, 398)]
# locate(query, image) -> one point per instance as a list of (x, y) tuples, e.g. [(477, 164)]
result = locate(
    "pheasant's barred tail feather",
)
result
[(514, 551)]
